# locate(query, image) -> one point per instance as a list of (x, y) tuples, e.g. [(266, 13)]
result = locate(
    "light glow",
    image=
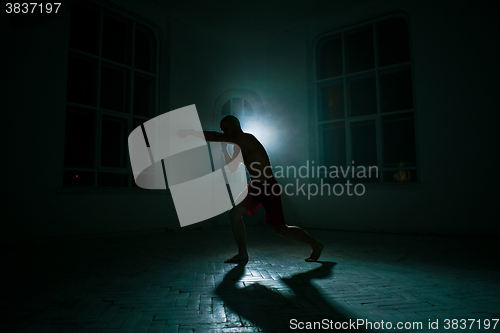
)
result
[(264, 133)]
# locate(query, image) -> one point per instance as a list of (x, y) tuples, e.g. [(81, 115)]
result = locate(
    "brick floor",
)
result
[(177, 282)]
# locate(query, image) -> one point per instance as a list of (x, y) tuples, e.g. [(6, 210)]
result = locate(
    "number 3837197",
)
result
[(32, 7)]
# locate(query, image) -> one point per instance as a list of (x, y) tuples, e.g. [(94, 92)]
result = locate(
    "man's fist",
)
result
[(182, 133)]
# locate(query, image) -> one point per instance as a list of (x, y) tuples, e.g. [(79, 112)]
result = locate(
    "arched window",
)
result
[(238, 107), (243, 103), (365, 99), (112, 88)]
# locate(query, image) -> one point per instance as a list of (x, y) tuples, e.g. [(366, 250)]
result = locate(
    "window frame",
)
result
[(231, 102), (250, 96), (376, 71), (100, 112)]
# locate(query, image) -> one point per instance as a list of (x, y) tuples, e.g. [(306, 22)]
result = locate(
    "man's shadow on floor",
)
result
[(271, 311)]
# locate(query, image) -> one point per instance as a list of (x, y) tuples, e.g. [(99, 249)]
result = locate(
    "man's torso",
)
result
[(255, 157)]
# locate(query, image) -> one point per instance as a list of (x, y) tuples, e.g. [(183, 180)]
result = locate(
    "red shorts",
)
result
[(268, 194)]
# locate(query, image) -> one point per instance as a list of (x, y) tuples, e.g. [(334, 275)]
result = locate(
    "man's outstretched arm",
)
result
[(206, 135)]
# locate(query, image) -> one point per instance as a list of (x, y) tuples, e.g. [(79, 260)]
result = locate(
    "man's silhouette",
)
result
[(261, 189)]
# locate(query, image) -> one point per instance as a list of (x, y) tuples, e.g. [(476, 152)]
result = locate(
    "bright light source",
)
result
[(265, 134)]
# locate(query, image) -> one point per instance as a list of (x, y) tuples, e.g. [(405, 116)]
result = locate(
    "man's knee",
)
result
[(281, 230)]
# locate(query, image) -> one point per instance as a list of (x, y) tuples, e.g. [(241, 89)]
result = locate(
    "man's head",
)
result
[(230, 125)]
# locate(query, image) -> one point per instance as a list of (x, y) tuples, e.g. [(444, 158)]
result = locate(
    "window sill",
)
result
[(109, 190)]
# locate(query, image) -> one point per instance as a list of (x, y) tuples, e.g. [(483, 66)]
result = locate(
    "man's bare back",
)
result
[(255, 157)]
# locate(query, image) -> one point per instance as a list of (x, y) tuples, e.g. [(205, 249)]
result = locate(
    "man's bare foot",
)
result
[(237, 258), (316, 252)]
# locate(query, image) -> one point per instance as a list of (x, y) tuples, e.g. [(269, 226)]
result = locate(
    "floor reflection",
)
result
[(271, 311)]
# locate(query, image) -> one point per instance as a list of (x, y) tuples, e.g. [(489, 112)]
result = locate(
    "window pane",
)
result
[(398, 141), (362, 96), (144, 88), (237, 106), (114, 142), (116, 38), (364, 143), (226, 109), (330, 58), (360, 55), (84, 33), (78, 178), (402, 175), (334, 145), (332, 102), (79, 146), (396, 91), (144, 48), (392, 41), (82, 81), (112, 179), (114, 88), (248, 110)]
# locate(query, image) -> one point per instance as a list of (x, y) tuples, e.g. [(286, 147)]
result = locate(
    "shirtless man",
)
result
[(258, 165)]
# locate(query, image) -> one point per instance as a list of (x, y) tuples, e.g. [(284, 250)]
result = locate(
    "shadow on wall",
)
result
[(271, 311)]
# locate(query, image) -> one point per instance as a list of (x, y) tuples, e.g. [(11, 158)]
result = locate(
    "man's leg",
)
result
[(238, 227), (300, 235)]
